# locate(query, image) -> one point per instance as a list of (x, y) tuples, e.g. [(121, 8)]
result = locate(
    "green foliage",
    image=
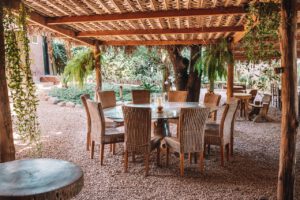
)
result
[(149, 86), (258, 76), (263, 20), (214, 60), (79, 67), (60, 56), (20, 82), (73, 93), (142, 65)]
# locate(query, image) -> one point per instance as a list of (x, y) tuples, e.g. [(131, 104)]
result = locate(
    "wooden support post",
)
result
[(230, 74), (289, 122), (7, 148), (97, 69)]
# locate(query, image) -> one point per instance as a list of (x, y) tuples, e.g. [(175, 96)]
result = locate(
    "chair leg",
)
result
[(88, 141), (114, 149), (231, 149), (181, 164), (201, 161), (190, 157), (101, 153), (158, 156), (146, 164), (133, 157), (227, 153), (222, 155), (208, 149), (92, 149), (167, 156), (111, 147), (126, 161), (195, 157)]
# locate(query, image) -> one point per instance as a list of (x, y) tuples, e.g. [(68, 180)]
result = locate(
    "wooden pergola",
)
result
[(167, 22)]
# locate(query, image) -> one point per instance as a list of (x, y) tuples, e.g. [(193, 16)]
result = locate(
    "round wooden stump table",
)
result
[(39, 179)]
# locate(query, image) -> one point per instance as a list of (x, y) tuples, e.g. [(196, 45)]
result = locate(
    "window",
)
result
[(34, 39)]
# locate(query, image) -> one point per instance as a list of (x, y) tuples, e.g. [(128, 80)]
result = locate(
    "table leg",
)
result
[(246, 108), (161, 128)]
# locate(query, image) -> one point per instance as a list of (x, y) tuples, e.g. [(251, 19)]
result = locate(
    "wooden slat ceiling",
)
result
[(143, 22)]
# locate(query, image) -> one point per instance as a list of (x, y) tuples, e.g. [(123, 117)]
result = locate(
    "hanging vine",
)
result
[(263, 21), (20, 82)]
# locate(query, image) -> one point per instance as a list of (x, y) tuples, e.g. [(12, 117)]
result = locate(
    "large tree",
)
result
[(186, 76)]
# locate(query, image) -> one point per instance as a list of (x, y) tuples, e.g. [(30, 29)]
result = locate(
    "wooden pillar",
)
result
[(230, 74), (97, 69), (7, 148), (289, 122)]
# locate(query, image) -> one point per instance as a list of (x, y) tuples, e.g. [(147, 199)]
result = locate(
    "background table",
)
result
[(39, 179), (171, 110), (244, 98)]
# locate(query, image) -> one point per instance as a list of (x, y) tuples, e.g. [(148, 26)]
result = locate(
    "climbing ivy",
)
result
[(20, 82), (262, 23)]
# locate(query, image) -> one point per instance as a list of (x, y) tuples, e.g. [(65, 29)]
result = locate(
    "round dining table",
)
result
[(39, 179), (171, 110)]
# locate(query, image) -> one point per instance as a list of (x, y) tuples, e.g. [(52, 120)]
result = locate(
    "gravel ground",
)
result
[(251, 173)]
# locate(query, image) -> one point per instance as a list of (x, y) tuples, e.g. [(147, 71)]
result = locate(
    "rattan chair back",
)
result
[(140, 96), (137, 123), (253, 93), (227, 121), (177, 96), (107, 99), (191, 129), (212, 99), (97, 120)]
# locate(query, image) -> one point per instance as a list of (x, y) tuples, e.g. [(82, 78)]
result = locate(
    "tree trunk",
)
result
[(7, 148), (97, 70), (194, 81), (289, 123), (166, 74), (50, 54), (230, 75), (180, 65), (211, 85)]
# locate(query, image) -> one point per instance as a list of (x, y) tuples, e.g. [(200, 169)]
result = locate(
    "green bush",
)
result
[(73, 93)]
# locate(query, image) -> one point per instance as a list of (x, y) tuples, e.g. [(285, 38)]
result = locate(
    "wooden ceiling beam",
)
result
[(36, 18), (162, 31), (156, 42), (230, 10)]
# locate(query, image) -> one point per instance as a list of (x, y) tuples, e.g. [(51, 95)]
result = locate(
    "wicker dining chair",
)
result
[(138, 135), (108, 100), (177, 96), (253, 93), (190, 139), (212, 99), (140, 96), (99, 132), (222, 134)]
